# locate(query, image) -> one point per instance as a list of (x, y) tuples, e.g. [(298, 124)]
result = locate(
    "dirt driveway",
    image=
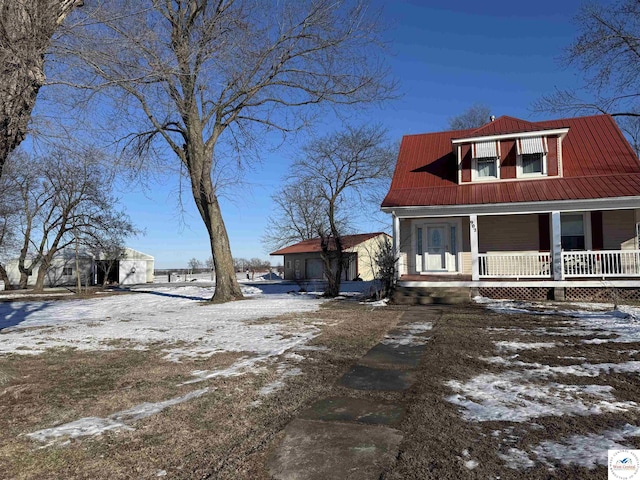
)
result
[(513, 392)]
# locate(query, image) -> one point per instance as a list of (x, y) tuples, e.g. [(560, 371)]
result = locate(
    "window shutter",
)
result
[(597, 237), (544, 232)]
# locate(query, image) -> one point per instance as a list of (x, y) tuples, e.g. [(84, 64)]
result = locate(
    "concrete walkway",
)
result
[(354, 438)]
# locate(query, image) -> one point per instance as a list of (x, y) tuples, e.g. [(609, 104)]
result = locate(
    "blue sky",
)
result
[(446, 55)]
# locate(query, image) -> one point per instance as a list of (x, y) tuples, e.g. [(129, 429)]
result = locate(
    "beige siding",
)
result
[(367, 252), (466, 263), (507, 233), (618, 229)]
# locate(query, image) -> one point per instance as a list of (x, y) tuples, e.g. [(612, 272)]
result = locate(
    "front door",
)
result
[(436, 248)]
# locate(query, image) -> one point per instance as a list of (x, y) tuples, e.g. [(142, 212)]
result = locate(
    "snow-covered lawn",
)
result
[(171, 318), (556, 385), (166, 315)]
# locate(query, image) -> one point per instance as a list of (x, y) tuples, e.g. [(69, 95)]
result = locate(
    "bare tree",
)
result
[(240, 264), (66, 200), (342, 167), (473, 117), (386, 264), (207, 78), (607, 52), (35, 197), (9, 224), (300, 215), (193, 264), (26, 30)]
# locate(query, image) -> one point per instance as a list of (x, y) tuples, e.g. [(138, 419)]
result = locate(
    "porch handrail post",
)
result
[(396, 243), (556, 246), (473, 237)]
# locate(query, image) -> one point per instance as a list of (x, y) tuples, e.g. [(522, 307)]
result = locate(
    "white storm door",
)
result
[(436, 248)]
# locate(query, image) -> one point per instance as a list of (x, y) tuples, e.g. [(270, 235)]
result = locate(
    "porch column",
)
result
[(473, 238), (556, 246), (396, 243)]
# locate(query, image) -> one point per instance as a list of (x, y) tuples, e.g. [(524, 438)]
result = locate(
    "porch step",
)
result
[(431, 295)]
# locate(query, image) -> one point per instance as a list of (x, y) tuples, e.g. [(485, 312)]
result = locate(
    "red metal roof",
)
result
[(597, 161), (313, 245), (504, 124)]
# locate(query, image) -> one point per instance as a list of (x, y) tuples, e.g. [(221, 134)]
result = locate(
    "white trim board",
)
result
[(505, 136), (515, 208), (508, 284)]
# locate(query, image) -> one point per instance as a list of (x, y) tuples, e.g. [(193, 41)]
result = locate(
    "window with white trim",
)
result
[(486, 160), (572, 230), (531, 158)]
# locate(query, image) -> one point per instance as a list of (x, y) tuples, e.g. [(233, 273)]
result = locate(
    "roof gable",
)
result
[(501, 126), (314, 245)]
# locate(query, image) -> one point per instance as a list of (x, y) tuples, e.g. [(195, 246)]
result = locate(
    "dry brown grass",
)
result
[(224, 434)]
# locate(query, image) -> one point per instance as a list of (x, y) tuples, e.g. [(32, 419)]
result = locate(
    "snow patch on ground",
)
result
[(278, 384), (516, 346), (516, 459), (410, 335), (588, 451), (377, 303), (92, 426), (511, 398), (538, 370)]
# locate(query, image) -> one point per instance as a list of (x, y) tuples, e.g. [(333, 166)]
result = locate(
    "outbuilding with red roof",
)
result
[(303, 260)]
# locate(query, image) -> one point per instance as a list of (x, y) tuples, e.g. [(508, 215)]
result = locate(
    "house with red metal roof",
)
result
[(303, 260), (536, 207)]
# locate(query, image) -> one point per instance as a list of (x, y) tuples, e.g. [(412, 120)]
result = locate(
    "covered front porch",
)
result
[(559, 247)]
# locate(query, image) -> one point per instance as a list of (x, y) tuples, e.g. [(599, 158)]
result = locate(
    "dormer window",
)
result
[(486, 161), (532, 156), (486, 167)]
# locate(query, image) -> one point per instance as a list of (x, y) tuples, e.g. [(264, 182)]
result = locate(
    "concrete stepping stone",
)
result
[(316, 450), (361, 377), (394, 354), (346, 409)]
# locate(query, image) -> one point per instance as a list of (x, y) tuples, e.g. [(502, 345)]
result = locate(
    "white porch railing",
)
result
[(602, 263), (515, 265)]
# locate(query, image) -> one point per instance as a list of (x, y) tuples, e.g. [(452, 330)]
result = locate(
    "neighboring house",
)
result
[(303, 261), (548, 206), (132, 268)]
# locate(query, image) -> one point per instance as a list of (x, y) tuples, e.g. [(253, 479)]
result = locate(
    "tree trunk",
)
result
[(42, 272), (26, 28), (5, 278), (25, 273), (334, 277), (227, 286)]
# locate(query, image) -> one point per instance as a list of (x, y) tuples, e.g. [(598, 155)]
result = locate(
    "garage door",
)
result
[(314, 268)]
